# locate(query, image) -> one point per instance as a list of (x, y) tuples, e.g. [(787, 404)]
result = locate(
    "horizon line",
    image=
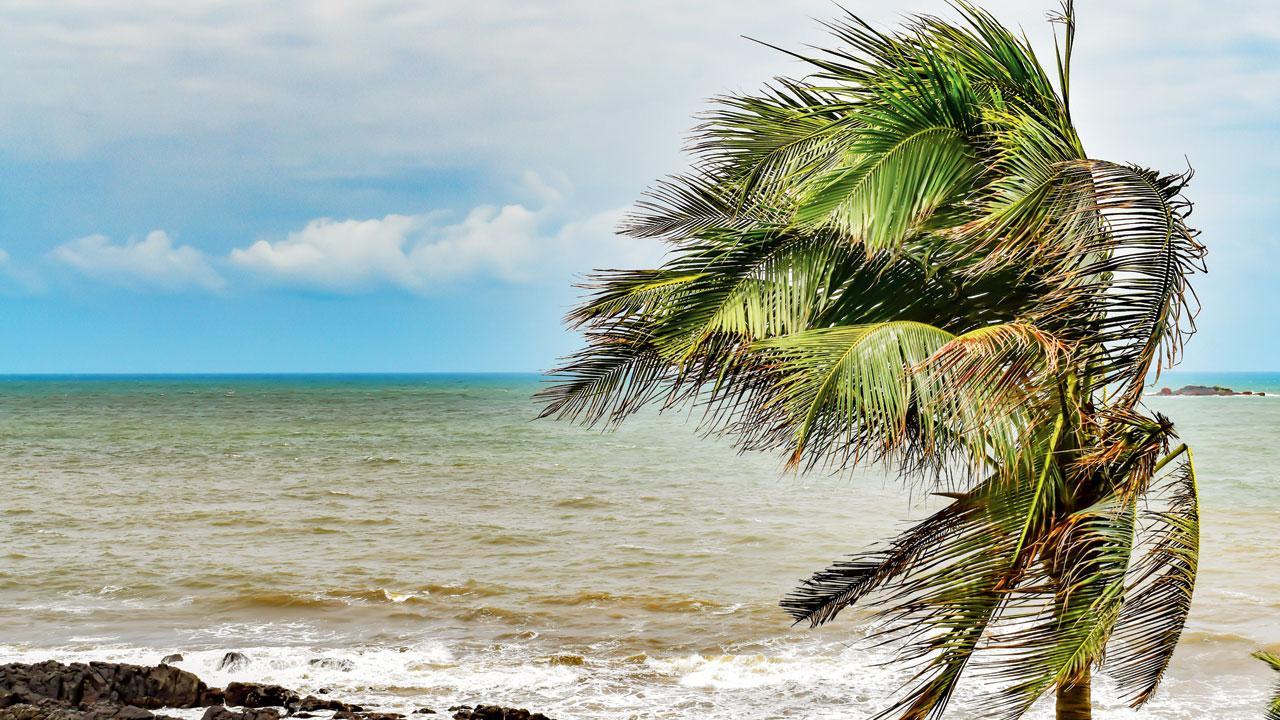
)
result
[(406, 373)]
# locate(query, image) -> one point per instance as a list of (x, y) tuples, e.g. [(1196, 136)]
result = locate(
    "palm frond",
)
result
[(1057, 639), (1158, 595), (820, 598), (852, 386), (1273, 708), (897, 179), (941, 614), (1122, 281)]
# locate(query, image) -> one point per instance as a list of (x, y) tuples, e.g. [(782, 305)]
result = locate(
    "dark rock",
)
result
[(212, 696), (128, 712), (495, 712), (170, 659), (333, 664), (344, 715), (258, 695), (79, 684), (234, 661), (1165, 391), (54, 710), (311, 703), (424, 711), (218, 712)]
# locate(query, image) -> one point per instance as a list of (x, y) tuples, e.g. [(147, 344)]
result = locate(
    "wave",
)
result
[(380, 460), (582, 502), (652, 603), (432, 593), (276, 599)]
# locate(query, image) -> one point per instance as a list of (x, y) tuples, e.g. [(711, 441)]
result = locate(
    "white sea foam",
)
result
[(824, 683)]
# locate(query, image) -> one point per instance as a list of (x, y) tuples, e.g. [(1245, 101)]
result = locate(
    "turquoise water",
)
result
[(429, 530)]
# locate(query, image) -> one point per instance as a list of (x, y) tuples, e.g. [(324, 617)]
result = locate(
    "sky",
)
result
[(394, 186)]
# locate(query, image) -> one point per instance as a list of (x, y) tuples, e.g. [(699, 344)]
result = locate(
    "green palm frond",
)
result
[(1059, 638), (820, 598), (853, 380), (942, 612), (862, 198), (1131, 279), (1273, 708), (1158, 596)]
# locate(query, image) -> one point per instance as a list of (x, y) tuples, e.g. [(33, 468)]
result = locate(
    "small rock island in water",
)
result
[(1207, 390)]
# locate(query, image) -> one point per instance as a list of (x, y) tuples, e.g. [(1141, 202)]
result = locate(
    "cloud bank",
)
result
[(539, 243), (419, 253)]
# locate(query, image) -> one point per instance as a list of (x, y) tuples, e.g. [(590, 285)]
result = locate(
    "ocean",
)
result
[(451, 549)]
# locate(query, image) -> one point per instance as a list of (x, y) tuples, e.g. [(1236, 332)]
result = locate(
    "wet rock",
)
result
[(424, 711), (123, 712), (311, 703), (54, 710), (233, 661), (170, 659), (495, 712), (219, 712), (258, 695), (212, 696), (332, 664), (80, 684)]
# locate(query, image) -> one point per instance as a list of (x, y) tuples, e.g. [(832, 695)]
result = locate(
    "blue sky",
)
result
[(413, 186)]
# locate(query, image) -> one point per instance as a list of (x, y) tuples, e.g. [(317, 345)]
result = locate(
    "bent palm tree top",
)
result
[(909, 257)]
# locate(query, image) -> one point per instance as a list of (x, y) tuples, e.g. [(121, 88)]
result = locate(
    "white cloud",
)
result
[(339, 254), (150, 263), (513, 243)]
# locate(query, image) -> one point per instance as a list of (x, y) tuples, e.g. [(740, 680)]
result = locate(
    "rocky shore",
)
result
[(1206, 391), (117, 691)]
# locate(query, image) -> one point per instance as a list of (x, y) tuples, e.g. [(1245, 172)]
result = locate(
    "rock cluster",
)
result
[(118, 691), (494, 712), (85, 685), (1206, 391)]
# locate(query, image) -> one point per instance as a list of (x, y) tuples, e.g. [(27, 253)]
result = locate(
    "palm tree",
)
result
[(1273, 709), (907, 257)]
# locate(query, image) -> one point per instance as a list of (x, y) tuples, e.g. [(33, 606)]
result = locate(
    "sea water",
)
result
[(451, 549)]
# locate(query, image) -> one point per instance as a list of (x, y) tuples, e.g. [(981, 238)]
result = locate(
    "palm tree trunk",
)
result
[(1074, 701)]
